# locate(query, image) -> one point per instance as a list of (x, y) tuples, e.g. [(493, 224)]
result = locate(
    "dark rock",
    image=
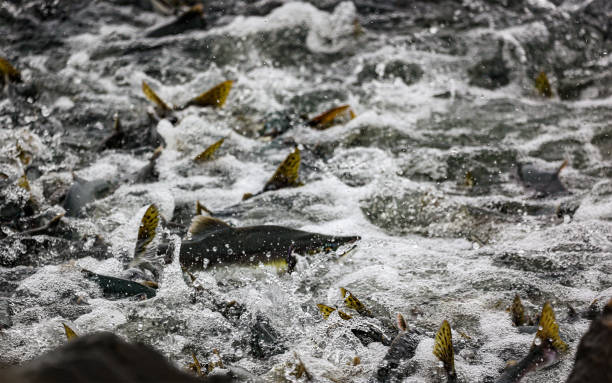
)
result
[(101, 357), (394, 366), (5, 314), (264, 339), (408, 72), (594, 352)]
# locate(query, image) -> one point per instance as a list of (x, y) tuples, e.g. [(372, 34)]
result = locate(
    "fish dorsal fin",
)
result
[(548, 330), (153, 97), (563, 166), (147, 230), (201, 224), (542, 85), (215, 96), (117, 124), (23, 182), (443, 348), (326, 119), (352, 302), (202, 209), (287, 172), (208, 154), (401, 323), (8, 70), (70, 334), (517, 310)]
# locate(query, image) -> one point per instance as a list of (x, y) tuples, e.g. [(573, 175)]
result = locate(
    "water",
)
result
[(436, 244)]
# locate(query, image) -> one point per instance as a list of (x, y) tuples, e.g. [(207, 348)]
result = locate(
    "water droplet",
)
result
[(537, 341)]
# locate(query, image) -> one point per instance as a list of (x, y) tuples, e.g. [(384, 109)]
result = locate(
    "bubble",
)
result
[(537, 341)]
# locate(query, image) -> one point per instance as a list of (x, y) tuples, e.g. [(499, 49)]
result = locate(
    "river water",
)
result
[(426, 173)]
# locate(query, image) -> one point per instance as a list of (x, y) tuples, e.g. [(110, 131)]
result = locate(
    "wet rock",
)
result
[(83, 192), (487, 168), (408, 72), (101, 357), (5, 314), (559, 150), (277, 123), (264, 340), (603, 142), (592, 363), (395, 366), (490, 73)]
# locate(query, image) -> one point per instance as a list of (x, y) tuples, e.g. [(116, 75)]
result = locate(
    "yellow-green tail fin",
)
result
[(548, 330), (326, 119), (326, 312), (352, 302), (215, 96), (70, 334), (443, 348), (196, 365), (153, 97), (208, 154), (542, 85), (517, 310), (8, 70), (287, 172), (147, 230)]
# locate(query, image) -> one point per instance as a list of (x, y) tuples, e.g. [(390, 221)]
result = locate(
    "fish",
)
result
[(213, 242), (542, 85), (545, 183), (594, 353), (353, 303), (546, 349), (193, 18), (215, 96), (83, 192), (328, 118), (115, 139), (286, 175), (161, 108), (517, 311), (144, 264), (402, 348), (8, 71), (209, 152), (443, 350), (327, 310), (70, 334)]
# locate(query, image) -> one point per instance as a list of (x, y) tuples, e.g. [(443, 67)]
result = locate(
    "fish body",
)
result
[(221, 244), (537, 358), (119, 287), (543, 182), (192, 19), (83, 192), (402, 349)]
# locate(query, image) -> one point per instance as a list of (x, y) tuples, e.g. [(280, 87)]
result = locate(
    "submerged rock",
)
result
[(101, 357)]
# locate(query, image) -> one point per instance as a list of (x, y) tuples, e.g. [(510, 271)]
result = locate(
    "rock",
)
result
[(491, 73), (594, 352), (101, 357), (408, 72)]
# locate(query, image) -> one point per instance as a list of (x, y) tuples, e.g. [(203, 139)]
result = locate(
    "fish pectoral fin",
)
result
[(201, 224), (443, 348), (548, 330)]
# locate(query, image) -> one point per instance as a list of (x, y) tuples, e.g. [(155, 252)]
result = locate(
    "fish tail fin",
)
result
[(287, 172), (209, 152), (153, 97), (145, 252), (517, 310), (70, 334), (443, 349), (548, 330), (352, 302), (215, 96)]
